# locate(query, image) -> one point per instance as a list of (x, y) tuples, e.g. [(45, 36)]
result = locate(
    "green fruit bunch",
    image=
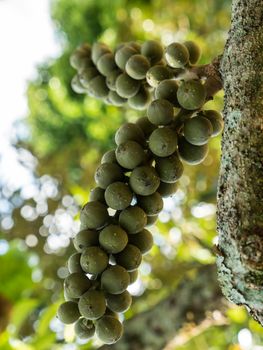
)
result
[(133, 178)]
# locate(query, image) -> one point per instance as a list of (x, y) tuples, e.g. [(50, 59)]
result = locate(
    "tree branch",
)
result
[(153, 329), (240, 189)]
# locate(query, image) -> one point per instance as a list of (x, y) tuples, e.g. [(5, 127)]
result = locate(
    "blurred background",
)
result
[(51, 142)]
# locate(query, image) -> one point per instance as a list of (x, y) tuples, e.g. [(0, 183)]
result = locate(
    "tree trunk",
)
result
[(240, 189), (190, 302)]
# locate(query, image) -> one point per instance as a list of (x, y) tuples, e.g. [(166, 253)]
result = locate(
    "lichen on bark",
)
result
[(240, 188)]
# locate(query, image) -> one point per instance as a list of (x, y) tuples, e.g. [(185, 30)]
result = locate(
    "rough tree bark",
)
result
[(240, 190), (153, 329)]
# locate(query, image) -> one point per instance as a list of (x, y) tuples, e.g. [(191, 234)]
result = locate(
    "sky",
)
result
[(27, 38)]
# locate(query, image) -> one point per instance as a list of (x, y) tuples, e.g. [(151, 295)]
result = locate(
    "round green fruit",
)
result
[(130, 258), (170, 169), (97, 87), (86, 75), (176, 55), (123, 54), (130, 154), (152, 204), (191, 94), (137, 66), (160, 112), (167, 90), (115, 99), (151, 220), (153, 50), (111, 79), (197, 130), (191, 154), (97, 194), (133, 276), (141, 100), (111, 313), (119, 302), (97, 50), (142, 240), (216, 120), (156, 74), (84, 329), (108, 173), (126, 86), (77, 86), (106, 64), (92, 304), (133, 219), (80, 56), (93, 215), (108, 329), (118, 196), (85, 238), (76, 284), (94, 260), (68, 312), (74, 263), (129, 132), (109, 157), (167, 189), (194, 51), (163, 142), (146, 126), (144, 180), (113, 239), (115, 279)]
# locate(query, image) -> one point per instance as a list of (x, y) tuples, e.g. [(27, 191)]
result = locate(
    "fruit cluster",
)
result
[(133, 178)]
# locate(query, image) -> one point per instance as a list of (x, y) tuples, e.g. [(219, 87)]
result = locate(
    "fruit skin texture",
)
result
[(118, 196), (84, 328), (84, 239), (74, 263), (197, 130), (153, 50), (130, 154), (115, 279), (68, 312), (109, 329), (141, 100), (156, 74), (123, 54), (93, 215), (97, 87), (126, 86), (176, 55), (119, 302), (142, 240), (194, 51), (152, 204), (216, 120), (94, 260), (113, 239), (106, 64), (97, 194), (170, 169), (80, 56), (167, 90), (130, 258), (133, 219), (144, 180), (129, 132), (191, 94), (163, 142), (76, 284), (151, 219), (137, 67), (133, 276), (167, 189), (108, 173), (92, 304), (160, 112), (191, 154), (97, 50), (146, 126), (87, 75)]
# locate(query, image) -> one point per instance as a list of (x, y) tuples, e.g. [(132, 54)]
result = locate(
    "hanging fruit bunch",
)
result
[(133, 178)]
